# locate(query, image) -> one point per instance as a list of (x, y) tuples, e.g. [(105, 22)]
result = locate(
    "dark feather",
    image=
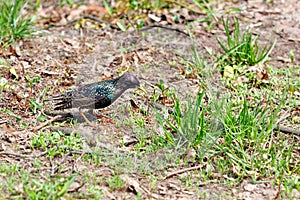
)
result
[(96, 95)]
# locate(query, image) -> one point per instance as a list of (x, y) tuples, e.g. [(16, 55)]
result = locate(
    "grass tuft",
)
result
[(15, 25), (241, 49)]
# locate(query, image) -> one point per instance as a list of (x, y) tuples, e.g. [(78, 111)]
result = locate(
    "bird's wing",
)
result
[(86, 96)]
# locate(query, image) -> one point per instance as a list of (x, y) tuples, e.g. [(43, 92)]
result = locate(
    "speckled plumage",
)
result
[(96, 95)]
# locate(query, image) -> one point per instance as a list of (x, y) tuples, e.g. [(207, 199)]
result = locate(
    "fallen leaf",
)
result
[(134, 185), (228, 72), (250, 187), (14, 73)]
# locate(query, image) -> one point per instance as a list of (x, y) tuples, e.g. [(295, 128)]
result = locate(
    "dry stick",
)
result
[(86, 119), (46, 123), (55, 167), (116, 27), (23, 155), (148, 83), (77, 188), (87, 17), (161, 107), (286, 129), (283, 118), (33, 170), (81, 155), (65, 130), (163, 27), (15, 154), (183, 170)]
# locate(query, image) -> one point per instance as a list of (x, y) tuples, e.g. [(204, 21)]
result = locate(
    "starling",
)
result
[(96, 95)]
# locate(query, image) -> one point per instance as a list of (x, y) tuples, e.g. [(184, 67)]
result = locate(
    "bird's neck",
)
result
[(118, 92)]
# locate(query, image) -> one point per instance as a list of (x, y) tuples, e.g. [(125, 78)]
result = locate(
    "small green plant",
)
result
[(53, 140), (109, 9), (23, 184), (188, 125), (66, 2), (34, 106), (136, 11), (147, 4), (247, 144), (210, 17), (32, 81), (164, 94), (292, 57), (17, 117), (197, 67), (115, 183), (3, 83), (241, 49), (14, 24)]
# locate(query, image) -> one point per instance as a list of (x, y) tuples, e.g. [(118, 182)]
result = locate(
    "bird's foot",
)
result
[(105, 119)]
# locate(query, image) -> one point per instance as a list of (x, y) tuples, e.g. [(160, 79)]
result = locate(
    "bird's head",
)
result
[(123, 83), (127, 81)]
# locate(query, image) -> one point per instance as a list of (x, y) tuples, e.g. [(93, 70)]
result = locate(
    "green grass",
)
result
[(137, 11), (232, 131), (51, 176), (241, 50), (211, 14), (238, 142), (21, 184), (58, 141), (15, 25), (115, 183), (190, 127)]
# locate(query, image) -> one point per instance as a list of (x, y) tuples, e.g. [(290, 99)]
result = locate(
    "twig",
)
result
[(150, 84), (46, 123), (287, 130), (55, 167), (86, 17), (77, 188), (116, 27), (90, 152), (15, 154), (182, 171), (163, 27), (160, 107), (81, 155), (283, 118), (39, 169), (23, 155), (65, 130)]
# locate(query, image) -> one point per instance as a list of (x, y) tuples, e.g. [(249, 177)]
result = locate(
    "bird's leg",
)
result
[(86, 119)]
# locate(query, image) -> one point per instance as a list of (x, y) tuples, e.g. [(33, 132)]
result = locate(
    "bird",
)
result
[(96, 95)]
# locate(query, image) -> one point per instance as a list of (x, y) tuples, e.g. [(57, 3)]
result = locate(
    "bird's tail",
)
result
[(63, 105), (54, 98), (62, 102)]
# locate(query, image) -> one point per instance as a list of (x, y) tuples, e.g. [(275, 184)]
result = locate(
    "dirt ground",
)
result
[(65, 57)]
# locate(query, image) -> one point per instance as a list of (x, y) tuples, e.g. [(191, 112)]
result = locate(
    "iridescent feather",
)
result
[(96, 95)]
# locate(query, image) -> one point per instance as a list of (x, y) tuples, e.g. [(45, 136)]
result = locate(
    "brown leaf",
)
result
[(134, 107)]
